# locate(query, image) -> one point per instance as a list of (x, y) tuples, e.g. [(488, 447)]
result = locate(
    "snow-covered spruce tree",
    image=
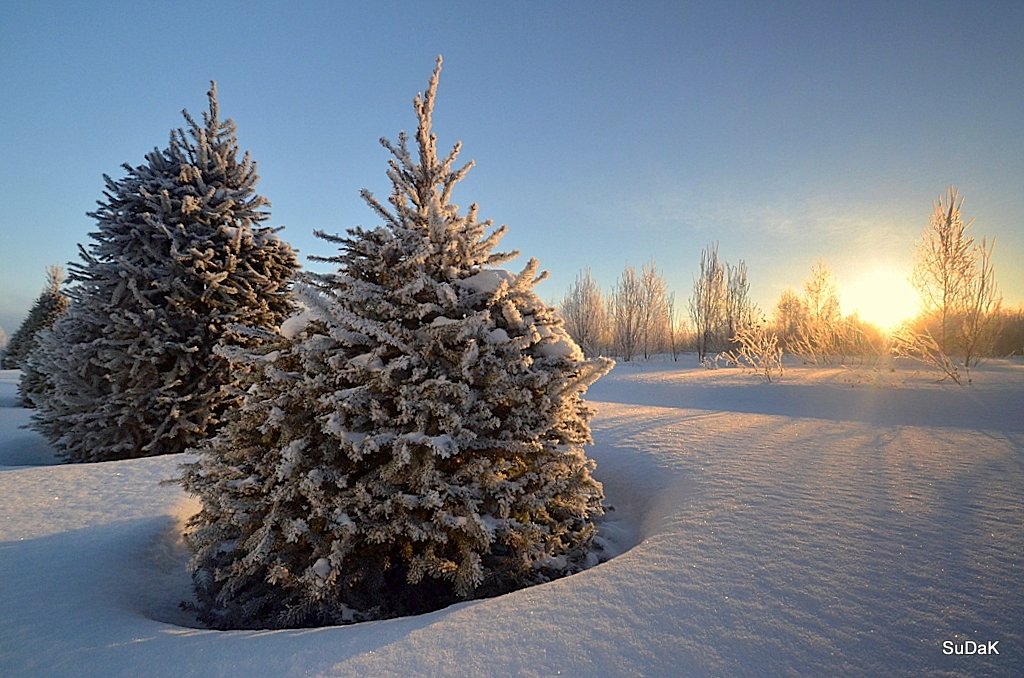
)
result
[(49, 305), (177, 261), (420, 441)]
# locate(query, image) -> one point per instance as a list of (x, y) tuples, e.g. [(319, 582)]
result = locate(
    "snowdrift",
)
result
[(839, 522)]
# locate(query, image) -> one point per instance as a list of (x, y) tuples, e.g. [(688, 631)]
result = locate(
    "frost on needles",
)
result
[(413, 439), (178, 260), (47, 309)]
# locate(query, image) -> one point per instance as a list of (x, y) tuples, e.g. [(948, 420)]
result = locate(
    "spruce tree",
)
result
[(48, 307), (419, 440), (179, 261)]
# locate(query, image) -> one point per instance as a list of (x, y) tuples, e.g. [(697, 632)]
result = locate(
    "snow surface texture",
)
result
[(836, 523)]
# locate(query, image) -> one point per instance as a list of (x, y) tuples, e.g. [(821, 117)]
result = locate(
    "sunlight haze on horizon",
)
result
[(604, 134)]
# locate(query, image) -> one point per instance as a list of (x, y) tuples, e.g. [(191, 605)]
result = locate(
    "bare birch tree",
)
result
[(583, 310), (944, 267), (707, 305), (653, 309), (787, 317), (624, 314), (674, 327), (738, 307), (982, 313), (817, 338), (956, 280)]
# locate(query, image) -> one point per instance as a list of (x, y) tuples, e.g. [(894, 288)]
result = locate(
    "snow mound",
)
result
[(294, 325), (24, 448), (9, 388), (812, 527), (486, 281), (18, 445)]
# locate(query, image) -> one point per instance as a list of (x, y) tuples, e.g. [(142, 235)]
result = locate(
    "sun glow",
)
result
[(883, 297)]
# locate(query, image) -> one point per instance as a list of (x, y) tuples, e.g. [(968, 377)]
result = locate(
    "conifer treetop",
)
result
[(214, 144), (48, 307), (421, 200)]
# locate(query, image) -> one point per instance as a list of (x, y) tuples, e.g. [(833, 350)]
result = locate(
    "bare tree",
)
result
[(817, 338), (583, 310), (624, 314), (820, 297), (956, 280), (653, 309), (980, 323), (674, 326), (789, 311), (739, 310), (944, 266), (1009, 341), (707, 305)]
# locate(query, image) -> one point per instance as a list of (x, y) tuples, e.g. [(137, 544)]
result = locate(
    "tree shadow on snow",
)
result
[(105, 600), (944, 408)]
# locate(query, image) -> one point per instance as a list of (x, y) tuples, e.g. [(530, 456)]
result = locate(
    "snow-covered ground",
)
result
[(836, 523)]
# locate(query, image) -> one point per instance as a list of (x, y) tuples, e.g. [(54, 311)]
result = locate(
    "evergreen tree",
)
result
[(418, 442), (177, 263), (48, 307)]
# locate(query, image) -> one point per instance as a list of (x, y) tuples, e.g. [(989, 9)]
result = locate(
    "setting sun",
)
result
[(882, 296)]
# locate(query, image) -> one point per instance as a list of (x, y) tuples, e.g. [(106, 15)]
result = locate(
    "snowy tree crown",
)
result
[(425, 230)]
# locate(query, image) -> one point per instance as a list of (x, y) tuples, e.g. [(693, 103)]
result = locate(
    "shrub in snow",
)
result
[(49, 306), (758, 350), (415, 439), (925, 349), (178, 260)]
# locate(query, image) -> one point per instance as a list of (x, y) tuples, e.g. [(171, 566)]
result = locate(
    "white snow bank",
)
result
[(19, 446), (814, 527)]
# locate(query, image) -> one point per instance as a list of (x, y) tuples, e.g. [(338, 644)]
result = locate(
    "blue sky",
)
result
[(604, 133)]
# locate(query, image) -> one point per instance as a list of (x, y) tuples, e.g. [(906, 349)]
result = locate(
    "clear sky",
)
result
[(605, 133)]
